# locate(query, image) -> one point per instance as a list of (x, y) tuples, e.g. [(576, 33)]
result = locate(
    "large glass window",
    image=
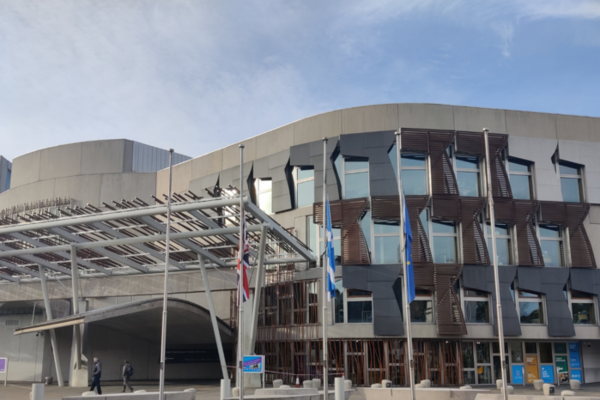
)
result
[(444, 242), (551, 243), (421, 309), (570, 182), (352, 305), (387, 243), (356, 178), (414, 172), (467, 175), (531, 309), (305, 186), (264, 191), (476, 306), (582, 306), (477, 367), (503, 243), (339, 302), (520, 179)]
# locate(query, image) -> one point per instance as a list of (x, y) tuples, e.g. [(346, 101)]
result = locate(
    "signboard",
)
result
[(187, 356), (254, 364), (574, 360), (576, 374), (562, 368), (548, 373), (531, 367), (517, 372), (3, 365)]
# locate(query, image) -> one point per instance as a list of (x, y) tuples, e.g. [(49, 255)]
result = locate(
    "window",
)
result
[(444, 242), (421, 309), (356, 178), (551, 243), (476, 363), (264, 196), (503, 243), (520, 179), (387, 243), (476, 306), (312, 234), (467, 175), (570, 182), (582, 307), (337, 242), (352, 305), (305, 186), (414, 172), (531, 310)]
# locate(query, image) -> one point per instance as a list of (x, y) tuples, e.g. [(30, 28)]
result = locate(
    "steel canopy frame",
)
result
[(131, 240)]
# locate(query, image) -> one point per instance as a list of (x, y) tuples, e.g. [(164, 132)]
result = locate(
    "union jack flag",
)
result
[(243, 264)]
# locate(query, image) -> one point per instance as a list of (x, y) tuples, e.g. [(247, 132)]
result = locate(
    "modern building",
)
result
[(545, 172)]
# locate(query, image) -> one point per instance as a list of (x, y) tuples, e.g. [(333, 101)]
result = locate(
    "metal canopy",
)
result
[(128, 237)]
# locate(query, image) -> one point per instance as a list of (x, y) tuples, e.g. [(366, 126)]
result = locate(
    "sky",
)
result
[(199, 75)]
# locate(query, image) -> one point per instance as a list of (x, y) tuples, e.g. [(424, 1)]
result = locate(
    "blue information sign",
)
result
[(517, 372), (574, 360), (576, 374), (254, 364), (548, 373)]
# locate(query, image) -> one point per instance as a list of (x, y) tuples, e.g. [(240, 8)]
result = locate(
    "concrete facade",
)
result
[(97, 172)]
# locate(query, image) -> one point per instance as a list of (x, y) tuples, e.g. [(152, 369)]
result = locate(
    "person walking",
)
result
[(96, 374), (127, 372)]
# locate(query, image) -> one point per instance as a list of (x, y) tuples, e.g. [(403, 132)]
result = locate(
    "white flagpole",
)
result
[(241, 281), (163, 339), (490, 199), (324, 265), (409, 344)]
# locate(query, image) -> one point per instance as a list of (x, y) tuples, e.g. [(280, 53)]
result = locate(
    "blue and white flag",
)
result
[(410, 276), (330, 257)]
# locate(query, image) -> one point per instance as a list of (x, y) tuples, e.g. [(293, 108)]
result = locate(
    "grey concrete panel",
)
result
[(550, 281), (29, 193), (207, 164), (83, 189), (531, 124), (482, 278), (128, 186), (261, 168), (280, 159), (60, 161), (198, 186), (231, 154), (128, 156), (594, 216), (570, 127), (274, 141), (370, 118), (300, 155), (102, 156), (26, 169), (540, 152), (475, 119), (317, 127), (182, 175), (380, 280), (429, 116), (585, 280)]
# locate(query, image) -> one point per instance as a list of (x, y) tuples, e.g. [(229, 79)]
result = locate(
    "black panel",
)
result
[(311, 155), (550, 281), (381, 280), (585, 280), (375, 147), (482, 278)]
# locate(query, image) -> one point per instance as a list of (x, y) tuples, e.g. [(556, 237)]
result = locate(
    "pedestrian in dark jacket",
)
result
[(96, 374), (127, 372)]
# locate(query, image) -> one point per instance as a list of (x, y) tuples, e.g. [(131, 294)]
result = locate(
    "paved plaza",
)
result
[(209, 390)]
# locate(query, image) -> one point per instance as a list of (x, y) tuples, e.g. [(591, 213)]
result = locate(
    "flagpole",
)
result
[(241, 281), (492, 216), (324, 265), (163, 339), (404, 266)]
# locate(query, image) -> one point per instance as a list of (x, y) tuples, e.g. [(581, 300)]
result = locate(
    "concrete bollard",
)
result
[(277, 383), (225, 388), (37, 391), (347, 384), (307, 384), (575, 384), (339, 386), (538, 384), (386, 383), (316, 383), (498, 384)]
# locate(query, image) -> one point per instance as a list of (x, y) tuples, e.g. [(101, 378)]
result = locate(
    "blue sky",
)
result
[(199, 75)]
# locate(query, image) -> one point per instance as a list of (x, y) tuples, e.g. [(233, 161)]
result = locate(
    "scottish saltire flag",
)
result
[(243, 264), (410, 276), (330, 257)]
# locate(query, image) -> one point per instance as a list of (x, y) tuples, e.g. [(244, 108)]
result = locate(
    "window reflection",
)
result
[(305, 186), (570, 182), (467, 175)]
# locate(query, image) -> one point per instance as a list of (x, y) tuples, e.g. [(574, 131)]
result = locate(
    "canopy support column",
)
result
[(53, 341)]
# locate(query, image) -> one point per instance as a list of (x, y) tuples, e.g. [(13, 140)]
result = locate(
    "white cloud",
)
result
[(505, 31)]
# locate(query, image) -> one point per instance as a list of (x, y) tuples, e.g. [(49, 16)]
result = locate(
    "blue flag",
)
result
[(330, 257), (410, 276)]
